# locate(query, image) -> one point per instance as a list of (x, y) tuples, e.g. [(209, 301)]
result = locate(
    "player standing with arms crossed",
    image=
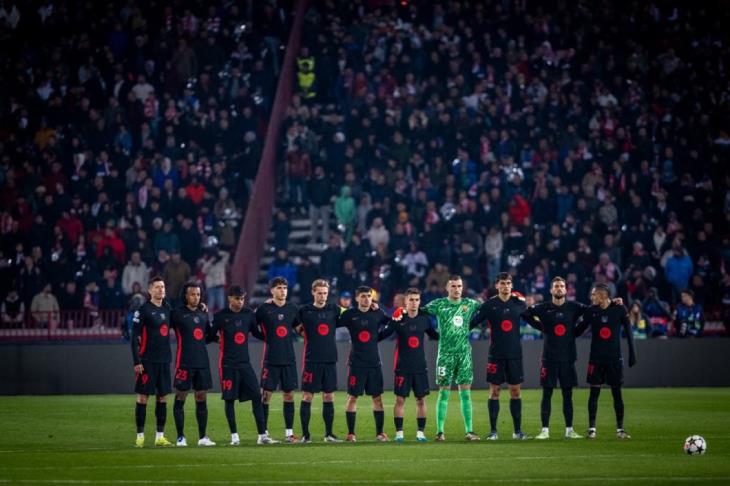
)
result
[(454, 362), (276, 321), (409, 363), (238, 380), (317, 324), (151, 355), (606, 363), (502, 313)]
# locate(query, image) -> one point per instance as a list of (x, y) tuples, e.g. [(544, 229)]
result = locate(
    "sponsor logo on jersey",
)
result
[(458, 321)]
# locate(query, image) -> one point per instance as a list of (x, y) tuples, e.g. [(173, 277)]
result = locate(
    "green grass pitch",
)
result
[(88, 440)]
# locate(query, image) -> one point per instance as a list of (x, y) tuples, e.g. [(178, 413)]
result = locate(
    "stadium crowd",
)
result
[(130, 136), (472, 137)]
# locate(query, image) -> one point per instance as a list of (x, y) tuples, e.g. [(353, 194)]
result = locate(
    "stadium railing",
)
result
[(65, 325)]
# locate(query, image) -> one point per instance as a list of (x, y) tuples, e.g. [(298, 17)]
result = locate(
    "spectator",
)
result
[(319, 206), (283, 267), (331, 261), (111, 296), (45, 309), (135, 271), (689, 320), (345, 213), (70, 298), (166, 240), (639, 321), (12, 311), (378, 234), (658, 313), (175, 272), (215, 269), (678, 269), (282, 230)]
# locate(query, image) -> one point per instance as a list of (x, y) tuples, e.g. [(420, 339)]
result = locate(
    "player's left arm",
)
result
[(433, 333), (386, 331), (629, 336), (211, 335), (383, 322), (531, 318), (479, 317), (581, 325)]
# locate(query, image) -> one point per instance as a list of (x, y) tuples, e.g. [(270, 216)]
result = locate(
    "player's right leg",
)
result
[(493, 407), (305, 413), (140, 415), (178, 412), (400, 403), (379, 417), (463, 376), (445, 365), (350, 415), (595, 380)]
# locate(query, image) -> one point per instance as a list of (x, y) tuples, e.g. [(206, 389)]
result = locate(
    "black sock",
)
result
[(515, 408), (265, 408), (350, 416), (289, 415), (545, 406), (493, 406), (231, 415), (178, 412), (201, 413), (618, 406), (305, 411), (568, 406), (140, 414), (328, 415), (398, 421), (593, 406), (161, 415), (379, 421), (421, 421), (258, 414)]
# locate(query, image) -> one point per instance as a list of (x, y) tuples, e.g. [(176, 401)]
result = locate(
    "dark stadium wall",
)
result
[(107, 368)]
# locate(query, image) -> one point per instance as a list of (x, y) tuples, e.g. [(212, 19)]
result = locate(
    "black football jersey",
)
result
[(319, 325), (277, 325), (409, 354), (151, 334), (503, 319), (364, 328)]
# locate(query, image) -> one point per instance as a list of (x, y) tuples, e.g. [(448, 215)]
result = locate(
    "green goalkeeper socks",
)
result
[(465, 396), (442, 406)]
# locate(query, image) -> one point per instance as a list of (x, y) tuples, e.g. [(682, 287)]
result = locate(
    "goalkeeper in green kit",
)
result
[(454, 362)]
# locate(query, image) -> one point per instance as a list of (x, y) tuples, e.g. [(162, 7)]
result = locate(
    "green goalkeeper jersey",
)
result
[(453, 323)]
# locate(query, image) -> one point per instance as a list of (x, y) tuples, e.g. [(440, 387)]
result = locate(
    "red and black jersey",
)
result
[(192, 328), (233, 329), (557, 323), (409, 354), (364, 328), (277, 325), (151, 334), (605, 325), (319, 326), (503, 319)]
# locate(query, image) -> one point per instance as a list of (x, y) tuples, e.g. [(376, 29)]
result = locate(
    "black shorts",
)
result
[(239, 384), (403, 383), (155, 380), (365, 380), (612, 374), (319, 377), (552, 372), (501, 370), (284, 376), (198, 379)]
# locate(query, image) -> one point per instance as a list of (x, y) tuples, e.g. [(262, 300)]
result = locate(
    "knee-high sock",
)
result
[(161, 415), (140, 414), (258, 414), (398, 422), (421, 422), (178, 412), (493, 406), (442, 407), (201, 414), (289, 415), (305, 412), (545, 406), (515, 408), (568, 406), (593, 406), (231, 416), (618, 406), (328, 415), (466, 410), (379, 416), (350, 416), (265, 410)]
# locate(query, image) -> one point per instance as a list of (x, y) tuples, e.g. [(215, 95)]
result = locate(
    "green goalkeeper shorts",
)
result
[(454, 368)]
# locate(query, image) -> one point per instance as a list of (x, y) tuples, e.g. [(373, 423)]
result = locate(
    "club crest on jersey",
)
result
[(604, 319), (162, 315), (280, 317), (196, 320), (458, 321), (559, 314), (464, 308), (238, 323)]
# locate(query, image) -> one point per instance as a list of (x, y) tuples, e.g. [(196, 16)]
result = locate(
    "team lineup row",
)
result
[(276, 321)]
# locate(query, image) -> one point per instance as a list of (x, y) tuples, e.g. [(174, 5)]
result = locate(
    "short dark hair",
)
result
[(689, 292), (557, 279), (190, 285), (454, 277), (236, 291), (154, 280), (412, 291), (363, 289), (603, 288), (501, 276), (276, 281)]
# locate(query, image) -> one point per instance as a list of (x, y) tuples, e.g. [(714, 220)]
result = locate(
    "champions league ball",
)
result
[(695, 445)]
